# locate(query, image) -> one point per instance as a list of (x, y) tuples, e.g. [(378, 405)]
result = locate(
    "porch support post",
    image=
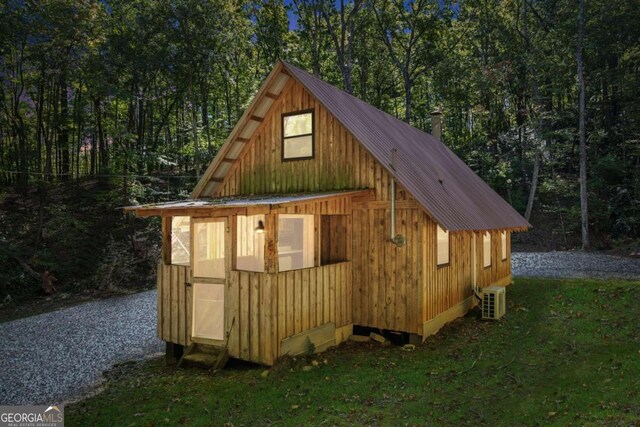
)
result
[(270, 243), (166, 240)]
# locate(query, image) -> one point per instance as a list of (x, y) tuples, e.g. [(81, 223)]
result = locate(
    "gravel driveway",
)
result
[(60, 355), (574, 265)]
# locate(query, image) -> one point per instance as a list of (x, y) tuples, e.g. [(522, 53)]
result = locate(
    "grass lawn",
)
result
[(566, 353)]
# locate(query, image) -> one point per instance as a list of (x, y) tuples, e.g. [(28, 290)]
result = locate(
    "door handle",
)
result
[(187, 284)]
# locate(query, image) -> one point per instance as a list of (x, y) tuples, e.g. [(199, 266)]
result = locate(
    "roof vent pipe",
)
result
[(397, 239), (436, 123)]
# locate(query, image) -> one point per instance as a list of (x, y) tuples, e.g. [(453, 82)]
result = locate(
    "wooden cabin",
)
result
[(321, 212)]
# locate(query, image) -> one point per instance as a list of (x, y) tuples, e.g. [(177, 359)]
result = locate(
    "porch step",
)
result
[(204, 356)]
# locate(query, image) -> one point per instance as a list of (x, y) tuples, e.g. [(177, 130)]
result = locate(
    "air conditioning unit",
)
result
[(494, 302)]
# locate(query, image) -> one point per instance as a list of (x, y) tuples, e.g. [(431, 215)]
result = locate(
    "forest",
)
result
[(109, 103)]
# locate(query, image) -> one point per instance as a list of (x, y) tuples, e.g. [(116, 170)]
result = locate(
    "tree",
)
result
[(584, 209)]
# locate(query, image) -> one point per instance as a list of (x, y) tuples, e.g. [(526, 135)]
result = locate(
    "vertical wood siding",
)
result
[(263, 309), (174, 304)]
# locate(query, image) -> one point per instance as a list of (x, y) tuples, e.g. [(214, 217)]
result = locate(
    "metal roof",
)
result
[(241, 201), (446, 188), (455, 196)]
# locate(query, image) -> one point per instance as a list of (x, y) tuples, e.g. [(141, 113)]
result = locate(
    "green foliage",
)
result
[(142, 88), (566, 353)]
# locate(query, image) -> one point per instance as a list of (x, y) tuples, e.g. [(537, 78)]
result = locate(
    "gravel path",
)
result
[(60, 355), (574, 265)]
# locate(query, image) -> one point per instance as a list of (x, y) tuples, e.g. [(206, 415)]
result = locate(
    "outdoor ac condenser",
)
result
[(494, 302)]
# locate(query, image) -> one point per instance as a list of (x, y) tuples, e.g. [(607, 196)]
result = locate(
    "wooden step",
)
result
[(204, 356)]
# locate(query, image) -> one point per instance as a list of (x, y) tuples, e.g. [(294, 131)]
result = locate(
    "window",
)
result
[(250, 243), (297, 135), (333, 239), (180, 240), (503, 238), (443, 246), (486, 248), (209, 249), (295, 242)]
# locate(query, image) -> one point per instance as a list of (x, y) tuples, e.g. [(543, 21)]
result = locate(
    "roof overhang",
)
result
[(241, 205)]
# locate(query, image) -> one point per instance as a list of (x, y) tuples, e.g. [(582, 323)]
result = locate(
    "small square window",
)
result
[(297, 135)]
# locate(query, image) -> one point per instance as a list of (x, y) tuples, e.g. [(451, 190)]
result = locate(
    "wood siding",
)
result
[(340, 162), (499, 268), (263, 309), (387, 278), (174, 304)]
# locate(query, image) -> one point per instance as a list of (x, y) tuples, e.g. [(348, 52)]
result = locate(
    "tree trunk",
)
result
[(63, 132), (584, 211)]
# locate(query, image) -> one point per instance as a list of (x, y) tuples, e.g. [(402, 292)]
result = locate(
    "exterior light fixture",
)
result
[(260, 227)]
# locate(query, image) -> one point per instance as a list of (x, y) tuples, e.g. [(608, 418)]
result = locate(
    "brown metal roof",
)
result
[(271, 200), (444, 185)]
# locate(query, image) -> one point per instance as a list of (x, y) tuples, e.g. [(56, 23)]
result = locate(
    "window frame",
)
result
[(484, 264), (444, 264), (312, 134)]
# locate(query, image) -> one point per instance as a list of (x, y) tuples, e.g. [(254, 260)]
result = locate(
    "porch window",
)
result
[(486, 249), (297, 135), (295, 242), (443, 246), (180, 240), (503, 241), (250, 243)]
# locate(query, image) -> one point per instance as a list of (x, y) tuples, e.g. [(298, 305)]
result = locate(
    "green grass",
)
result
[(567, 353)]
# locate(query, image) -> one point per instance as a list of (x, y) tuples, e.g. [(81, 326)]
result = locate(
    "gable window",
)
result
[(250, 243), (297, 135), (295, 242), (503, 238), (443, 246), (486, 249), (180, 240)]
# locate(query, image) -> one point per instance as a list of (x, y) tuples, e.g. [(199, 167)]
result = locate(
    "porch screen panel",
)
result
[(250, 243), (180, 240), (209, 249), (208, 311), (295, 242)]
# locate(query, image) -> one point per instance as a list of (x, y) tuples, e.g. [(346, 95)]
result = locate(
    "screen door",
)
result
[(208, 311), (209, 274)]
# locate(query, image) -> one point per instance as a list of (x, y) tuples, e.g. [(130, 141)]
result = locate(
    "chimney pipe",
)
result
[(436, 123)]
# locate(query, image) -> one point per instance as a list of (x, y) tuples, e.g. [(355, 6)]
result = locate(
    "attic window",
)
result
[(297, 135)]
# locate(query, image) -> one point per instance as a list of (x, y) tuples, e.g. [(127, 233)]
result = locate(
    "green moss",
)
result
[(566, 353)]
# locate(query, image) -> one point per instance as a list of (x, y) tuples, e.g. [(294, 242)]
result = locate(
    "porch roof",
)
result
[(266, 201)]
